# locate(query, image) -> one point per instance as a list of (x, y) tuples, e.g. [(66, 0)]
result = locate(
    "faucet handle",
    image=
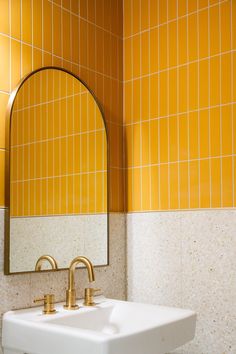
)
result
[(48, 301), (88, 296)]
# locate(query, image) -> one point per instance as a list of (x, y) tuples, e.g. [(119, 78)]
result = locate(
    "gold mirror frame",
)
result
[(7, 168)]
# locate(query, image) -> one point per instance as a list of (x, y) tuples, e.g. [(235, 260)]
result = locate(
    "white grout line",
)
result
[(173, 20)]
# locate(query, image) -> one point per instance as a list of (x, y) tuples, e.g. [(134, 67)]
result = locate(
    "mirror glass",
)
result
[(58, 173)]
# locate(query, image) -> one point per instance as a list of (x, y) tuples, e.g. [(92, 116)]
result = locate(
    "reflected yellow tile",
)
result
[(153, 96), (162, 47), (184, 185), (164, 190), (66, 35), (5, 63), (226, 125), (4, 16), (163, 136), (227, 182), (225, 17), (99, 150), (204, 133), (128, 102), (204, 184), (137, 192), (172, 28), (226, 78), (215, 81), (37, 59), (193, 135), (182, 40), (192, 36), (162, 11), (215, 183), (154, 187), (145, 53), (203, 33), (2, 178), (153, 13), (193, 184), (214, 30), (163, 109), (173, 138), (145, 106), (99, 191), (15, 63), (37, 23), (144, 9), (174, 185), (26, 59), (173, 91), (84, 113), (203, 84), (15, 18), (183, 89), (56, 30), (47, 19), (193, 86), (26, 21), (92, 188), (183, 137), (3, 107), (136, 17), (172, 9), (146, 188), (136, 99)]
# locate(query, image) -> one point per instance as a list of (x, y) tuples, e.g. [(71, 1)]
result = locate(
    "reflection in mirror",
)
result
[(58, 173)]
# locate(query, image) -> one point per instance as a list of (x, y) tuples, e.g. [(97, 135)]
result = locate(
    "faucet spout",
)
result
[(71, 292), (47, 258)]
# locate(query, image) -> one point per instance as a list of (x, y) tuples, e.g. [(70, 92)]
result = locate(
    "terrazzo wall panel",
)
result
[(187, 259)]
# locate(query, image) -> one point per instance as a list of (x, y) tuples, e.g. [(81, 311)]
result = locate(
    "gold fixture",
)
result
[(48, 258), (88, 296), (71, 293), (48, 301)]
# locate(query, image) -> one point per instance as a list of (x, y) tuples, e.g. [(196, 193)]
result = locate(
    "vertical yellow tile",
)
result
[(203, 33), (234, 24), (154, 187), (2, 178), (15, 18), (91, 182), (136, 144), (183, 185), (77, 193), (193, 135), (145, 133), (163, 109), (75, 32), (144, 14), (163, 136), (153, 13), (128, 102), (215, 133), (173, 91), (137, 189), (172, 28), (183, 137), (66, 35), (214, 30), (37, 23), (5, 63), (203, 84), (145, 53), (84, 195), (164, 190), (136, 16), (172, 9), (4, 16), (194, 184), (204, 184), (47, 20), (37, 59), (182, 7), (56, 195), (174, 185), (136, 99), (234, 77), (15, 63), (162, 11), (226, 125), (56, 30), (145, 98), (154, 141), (183, 89), (173, 138), (215, 183), (225, 16), (153, 50), (3, 107), (26, 59), (193, 86), (145, 188), (182, 40), (192, 37), (204, 133), (227, 182), (153, 96), (225, 78), (127, 17), (26, 21), (162, 47), (215, 81)]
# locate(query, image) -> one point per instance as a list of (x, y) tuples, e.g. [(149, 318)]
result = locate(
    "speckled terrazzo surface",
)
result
[(17, 291), (188, 259)]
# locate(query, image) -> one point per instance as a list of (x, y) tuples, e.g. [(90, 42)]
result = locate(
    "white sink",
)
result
[(112, 327)]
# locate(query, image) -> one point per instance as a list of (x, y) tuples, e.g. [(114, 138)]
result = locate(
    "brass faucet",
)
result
[(71, 292), (42, 259)]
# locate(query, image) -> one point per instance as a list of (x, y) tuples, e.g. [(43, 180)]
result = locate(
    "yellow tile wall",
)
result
[(58, 139), (82, 36), (179, 104)]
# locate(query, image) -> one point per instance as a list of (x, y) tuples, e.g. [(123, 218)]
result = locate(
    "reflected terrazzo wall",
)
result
[(19, 291), (187, 259)]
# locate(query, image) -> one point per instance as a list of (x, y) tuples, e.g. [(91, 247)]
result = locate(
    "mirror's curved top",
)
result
[(58, 172)]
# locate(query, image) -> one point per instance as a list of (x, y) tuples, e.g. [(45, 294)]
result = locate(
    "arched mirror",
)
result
[(58, 173)]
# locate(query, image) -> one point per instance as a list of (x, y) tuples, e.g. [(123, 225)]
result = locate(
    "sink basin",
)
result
[(112, 327)]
